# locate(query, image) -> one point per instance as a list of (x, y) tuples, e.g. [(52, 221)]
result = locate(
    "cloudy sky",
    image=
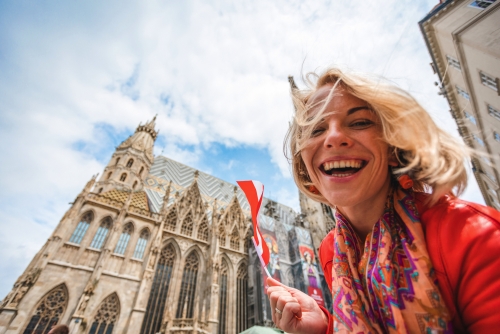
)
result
[(77, 77)]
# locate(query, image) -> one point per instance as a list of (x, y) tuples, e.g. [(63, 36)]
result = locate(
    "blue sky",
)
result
[(79, 76)]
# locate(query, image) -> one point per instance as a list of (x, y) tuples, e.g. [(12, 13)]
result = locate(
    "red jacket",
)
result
[(463, 241)]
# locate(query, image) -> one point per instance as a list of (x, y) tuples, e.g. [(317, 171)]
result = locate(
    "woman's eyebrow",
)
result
[(353, 110)]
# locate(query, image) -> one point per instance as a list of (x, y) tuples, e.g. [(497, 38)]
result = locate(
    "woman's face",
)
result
[(345, 157)]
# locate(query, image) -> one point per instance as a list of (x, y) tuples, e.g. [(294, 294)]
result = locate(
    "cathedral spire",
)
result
[(131, 161)]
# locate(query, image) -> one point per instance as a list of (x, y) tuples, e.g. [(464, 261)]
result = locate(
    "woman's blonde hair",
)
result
[(432, 158)]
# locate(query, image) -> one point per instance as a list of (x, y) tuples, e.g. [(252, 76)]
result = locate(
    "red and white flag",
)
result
[(254, 191)]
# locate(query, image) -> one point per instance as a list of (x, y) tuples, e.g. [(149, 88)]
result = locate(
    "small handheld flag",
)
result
[(254, 191)]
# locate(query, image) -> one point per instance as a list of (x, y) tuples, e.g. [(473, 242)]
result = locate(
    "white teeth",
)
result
[(342, 164)]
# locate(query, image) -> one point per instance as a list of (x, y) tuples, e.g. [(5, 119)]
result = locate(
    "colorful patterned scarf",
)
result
[(390, 286)]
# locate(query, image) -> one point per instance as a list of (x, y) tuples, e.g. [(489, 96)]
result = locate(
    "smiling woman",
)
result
[(406, 255)]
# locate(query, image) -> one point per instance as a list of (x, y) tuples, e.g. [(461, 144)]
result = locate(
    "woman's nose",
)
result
[(336, 137)]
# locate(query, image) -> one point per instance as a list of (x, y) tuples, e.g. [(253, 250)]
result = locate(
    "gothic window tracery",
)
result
[(141, 244), (223, 298), (222, 236), (48, 311), (106, 316), (159, 289), (171, 221), (121, 246), (187, 225), (185, 304), (203, 230), (101, 234), (130, 163), (241, 298), (235, 240), (123, 177), (82, 228)]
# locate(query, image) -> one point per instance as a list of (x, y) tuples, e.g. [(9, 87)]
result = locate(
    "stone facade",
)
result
[(463, 40), (154, 246)]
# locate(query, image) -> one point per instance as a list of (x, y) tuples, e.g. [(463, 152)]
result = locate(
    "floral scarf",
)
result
[(390, 285)]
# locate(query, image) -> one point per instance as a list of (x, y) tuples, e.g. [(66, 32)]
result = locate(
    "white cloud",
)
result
[(214, 72)]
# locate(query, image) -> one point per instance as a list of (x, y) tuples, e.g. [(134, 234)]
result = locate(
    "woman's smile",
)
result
[(342, 167)]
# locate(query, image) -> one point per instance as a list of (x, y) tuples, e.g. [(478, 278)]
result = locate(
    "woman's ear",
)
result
[(393, 160)]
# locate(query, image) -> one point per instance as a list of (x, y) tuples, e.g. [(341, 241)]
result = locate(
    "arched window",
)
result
[(106, 316), (109, 175), (142, 170), (187, 225), (101, 234), (158, 295), (235, 239), (121, 246), (135, 185), (241, 298), (48, 311), (100, 191), (203, 230), (123, 177), (223, 298), (117, 161), (171, 221), (130, 163), (141, 244), (82, 228), (222, 235), (185, 305)]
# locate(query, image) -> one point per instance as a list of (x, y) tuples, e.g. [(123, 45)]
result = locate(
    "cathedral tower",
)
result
[(130, 164)]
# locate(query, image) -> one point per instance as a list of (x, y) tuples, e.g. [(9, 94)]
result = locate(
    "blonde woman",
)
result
[(406, 255)]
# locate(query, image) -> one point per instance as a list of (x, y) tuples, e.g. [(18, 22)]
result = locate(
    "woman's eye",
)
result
[(317, 132), (361, 124)]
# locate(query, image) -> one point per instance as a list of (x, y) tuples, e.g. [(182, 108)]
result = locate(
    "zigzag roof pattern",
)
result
[(139, 198), (211, 188)]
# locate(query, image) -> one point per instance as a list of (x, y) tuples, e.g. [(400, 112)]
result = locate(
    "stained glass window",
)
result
[(121, 246), (223, 298), (101, 234), (159, 290), (241, 298), (106, 316), (141, 244), (185, 305), (82, 228), (49, 311)]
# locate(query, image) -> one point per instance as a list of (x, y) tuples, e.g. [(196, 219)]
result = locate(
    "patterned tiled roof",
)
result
[(164, 170), (139, 198)]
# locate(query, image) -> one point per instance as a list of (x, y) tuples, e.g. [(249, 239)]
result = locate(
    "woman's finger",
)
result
[(291, 314), (283, 300), (273, 298)]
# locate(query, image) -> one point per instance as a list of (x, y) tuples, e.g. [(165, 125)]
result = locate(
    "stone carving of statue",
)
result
[(87, 293)]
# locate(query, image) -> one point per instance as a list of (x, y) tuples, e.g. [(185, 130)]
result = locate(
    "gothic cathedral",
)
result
[(154, 246)]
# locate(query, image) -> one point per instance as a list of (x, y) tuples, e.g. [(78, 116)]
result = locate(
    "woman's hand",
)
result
[(299, 312)]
